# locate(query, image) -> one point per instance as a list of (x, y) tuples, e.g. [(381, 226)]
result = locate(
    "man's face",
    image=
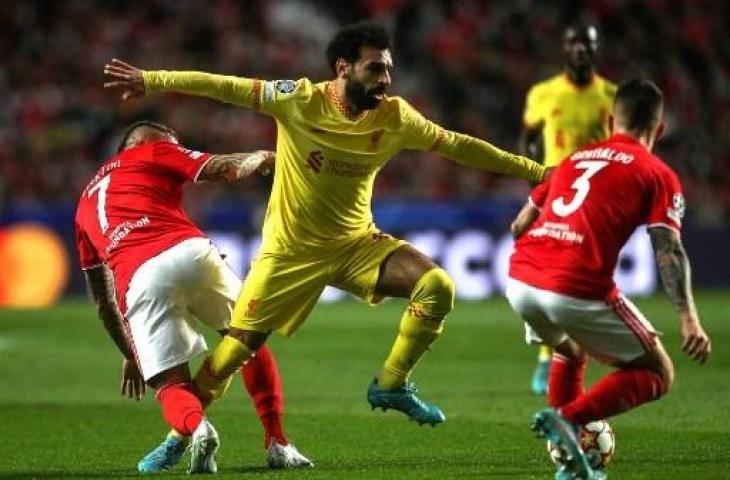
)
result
[(580, 45), (369, 78)]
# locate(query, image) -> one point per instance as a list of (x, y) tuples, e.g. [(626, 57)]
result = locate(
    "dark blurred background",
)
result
[(465, 64)]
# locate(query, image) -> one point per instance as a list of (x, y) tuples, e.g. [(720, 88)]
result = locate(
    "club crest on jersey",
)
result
[(285, 86), (676, 211)]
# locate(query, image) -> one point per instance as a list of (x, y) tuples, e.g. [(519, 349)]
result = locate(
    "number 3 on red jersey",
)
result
[(101, 187), (581, 186)]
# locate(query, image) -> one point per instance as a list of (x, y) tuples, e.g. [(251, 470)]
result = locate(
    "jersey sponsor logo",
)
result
[(285, 86), (315, 160), (558, 231), (194, 154), (122, 230), (347, 169), (676, 211)]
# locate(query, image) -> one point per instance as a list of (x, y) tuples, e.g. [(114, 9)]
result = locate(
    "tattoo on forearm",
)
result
[(673, 266), (231, 167), (101, 285)]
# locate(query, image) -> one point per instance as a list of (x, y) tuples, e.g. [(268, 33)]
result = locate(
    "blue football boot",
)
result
[(549, 424), (404, 400), (165, 456)]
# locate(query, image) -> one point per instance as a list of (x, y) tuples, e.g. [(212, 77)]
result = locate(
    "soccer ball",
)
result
[(596, 440)]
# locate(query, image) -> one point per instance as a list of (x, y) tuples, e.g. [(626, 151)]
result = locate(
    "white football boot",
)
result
[(203, 448), (286, 456)]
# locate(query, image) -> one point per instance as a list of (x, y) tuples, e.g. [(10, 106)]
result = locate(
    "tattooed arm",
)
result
[(234, 166), (100, 283), (675, 273)]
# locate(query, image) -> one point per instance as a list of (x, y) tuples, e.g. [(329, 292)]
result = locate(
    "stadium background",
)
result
[(466, 64)]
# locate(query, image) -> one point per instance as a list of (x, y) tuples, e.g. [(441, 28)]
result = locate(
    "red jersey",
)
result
[(131, 210), (589, 208)]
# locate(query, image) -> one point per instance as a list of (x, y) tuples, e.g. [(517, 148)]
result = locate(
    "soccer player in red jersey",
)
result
[(561, 274), (152, 273)]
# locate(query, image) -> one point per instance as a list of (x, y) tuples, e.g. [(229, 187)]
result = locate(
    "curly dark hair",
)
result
[(347, 42)]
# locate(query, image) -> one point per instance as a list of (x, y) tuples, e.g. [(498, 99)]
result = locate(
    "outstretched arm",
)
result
[(674, 269), (234, 166), (474, 152), (131, 82)]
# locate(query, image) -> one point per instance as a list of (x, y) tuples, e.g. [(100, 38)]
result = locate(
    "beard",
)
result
[(361, 98)]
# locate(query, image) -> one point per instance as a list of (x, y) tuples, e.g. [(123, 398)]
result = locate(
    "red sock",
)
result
[(565, 382), (263, 383), (615, 393), (180, 407)]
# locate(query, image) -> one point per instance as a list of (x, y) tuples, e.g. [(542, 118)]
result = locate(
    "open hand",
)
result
[(125, 78), (695, 342), (133, 385)]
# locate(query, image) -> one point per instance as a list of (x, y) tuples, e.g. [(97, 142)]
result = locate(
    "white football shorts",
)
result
[(610, 332), (170, 295)]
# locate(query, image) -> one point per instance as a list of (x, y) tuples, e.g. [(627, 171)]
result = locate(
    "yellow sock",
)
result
[(421, 324), (215, 374), (175, 434), (544, 354)]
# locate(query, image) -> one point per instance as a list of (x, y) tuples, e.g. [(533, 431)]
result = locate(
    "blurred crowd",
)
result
[(465, 64)]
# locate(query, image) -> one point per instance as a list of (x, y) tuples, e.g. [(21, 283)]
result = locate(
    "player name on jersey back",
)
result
[(589, 208)]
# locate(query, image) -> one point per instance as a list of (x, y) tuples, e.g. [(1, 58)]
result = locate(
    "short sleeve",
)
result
[(178, 160), (533, 115), (539, 194), (667, 201), (418, 132), (88, 256)]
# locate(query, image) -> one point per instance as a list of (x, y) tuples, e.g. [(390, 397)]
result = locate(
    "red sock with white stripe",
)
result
[(615, 393), (180, 407), (565, 382), (263, 382)]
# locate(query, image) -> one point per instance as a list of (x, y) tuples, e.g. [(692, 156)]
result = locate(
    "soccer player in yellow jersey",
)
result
[(333, 138), (568, 111)]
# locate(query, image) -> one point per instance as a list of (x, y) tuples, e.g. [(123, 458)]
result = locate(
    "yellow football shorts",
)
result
[(280, 290)]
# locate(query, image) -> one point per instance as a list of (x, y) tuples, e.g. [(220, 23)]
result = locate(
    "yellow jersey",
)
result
[(326, 161), (570, 116)]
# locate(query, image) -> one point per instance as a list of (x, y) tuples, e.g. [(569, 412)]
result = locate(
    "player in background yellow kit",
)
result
[(566, 111), (333, 138)]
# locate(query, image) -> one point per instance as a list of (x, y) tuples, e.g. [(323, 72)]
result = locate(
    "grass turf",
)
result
[(61, 415)]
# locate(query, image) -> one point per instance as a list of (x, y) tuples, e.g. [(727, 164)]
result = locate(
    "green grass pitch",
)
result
[(61, 415)]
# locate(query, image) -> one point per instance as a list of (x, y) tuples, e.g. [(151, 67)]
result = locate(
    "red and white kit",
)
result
[(561, 273), (166, 271)]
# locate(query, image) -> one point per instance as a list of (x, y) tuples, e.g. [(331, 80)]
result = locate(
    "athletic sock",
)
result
[(263, 383), (615, 393), (544, 353), (565, 382), (214, 376), (180, 407)]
